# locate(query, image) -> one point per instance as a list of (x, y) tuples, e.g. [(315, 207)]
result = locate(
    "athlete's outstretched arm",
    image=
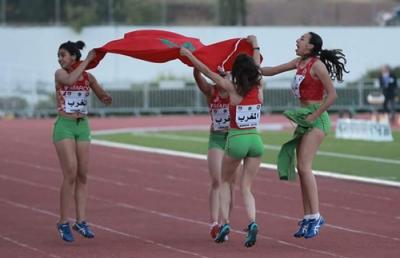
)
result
[(256, 49), (202, 84), (257, 60), (273, 70), (219, 80)]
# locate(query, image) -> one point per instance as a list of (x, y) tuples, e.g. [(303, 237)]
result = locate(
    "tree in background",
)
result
[(138, 12), (28, 11), (81, 13), (232, 12)]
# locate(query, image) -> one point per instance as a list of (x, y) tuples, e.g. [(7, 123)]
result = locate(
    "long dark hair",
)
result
[(73, 48), (245, 74), (333, 59)]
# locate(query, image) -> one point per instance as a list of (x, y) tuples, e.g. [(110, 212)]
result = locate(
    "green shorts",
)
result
[(323, 122), (71, 128), (244, 143), (217, 140)]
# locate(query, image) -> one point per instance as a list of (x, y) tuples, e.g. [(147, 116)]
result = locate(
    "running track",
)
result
[(150, 205)]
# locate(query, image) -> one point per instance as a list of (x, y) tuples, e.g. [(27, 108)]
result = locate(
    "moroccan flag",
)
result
[(161, 46), (149, 45), (221, 55)]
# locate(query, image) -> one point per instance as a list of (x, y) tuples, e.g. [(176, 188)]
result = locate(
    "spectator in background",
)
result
[(388, 84)]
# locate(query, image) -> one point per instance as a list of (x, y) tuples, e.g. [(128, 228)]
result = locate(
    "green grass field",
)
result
[(352, 157)]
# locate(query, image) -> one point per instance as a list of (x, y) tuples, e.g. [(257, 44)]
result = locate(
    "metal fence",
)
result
[(188, 100), (191, 100)]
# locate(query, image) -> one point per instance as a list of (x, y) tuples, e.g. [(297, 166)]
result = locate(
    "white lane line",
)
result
[(151, 129), (26, 246), (360, 232), (156, 213), (258, 211), (259, 178), (182, 179), (373, 196), (153, 134), (175, 178), (170, 216), (263, 127), (148, 241), (271, 147), (52, 169), (264, 165), (358, 157), (296, 219), (328, 174)]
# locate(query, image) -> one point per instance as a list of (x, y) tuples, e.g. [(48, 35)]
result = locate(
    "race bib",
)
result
[(76, 101), (296, 85), (248, 116), (220, 118)]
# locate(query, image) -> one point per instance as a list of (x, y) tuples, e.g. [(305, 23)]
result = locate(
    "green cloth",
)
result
[(286, 156)]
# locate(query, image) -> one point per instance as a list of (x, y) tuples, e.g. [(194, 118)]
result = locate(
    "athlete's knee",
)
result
[(228, 176), (215, 183), (303, 167), (245, 186), (70, 168), (245, 190), (70, 178), (81, 178)]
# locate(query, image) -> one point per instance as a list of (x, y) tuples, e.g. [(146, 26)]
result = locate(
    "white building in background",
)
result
[(29, 54)]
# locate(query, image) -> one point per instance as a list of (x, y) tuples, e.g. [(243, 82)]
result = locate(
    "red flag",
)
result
[(149, 45), (162, 46), (222, 55)]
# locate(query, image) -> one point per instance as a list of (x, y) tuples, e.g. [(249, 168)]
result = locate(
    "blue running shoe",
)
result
[(302, 229), (251, 238), (314, 226), (83, 229), (223, 233), (65, 232)]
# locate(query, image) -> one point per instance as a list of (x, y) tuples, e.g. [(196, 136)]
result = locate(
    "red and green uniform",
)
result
[(306, 88), (73, 99), (243, 137), (218, 107)]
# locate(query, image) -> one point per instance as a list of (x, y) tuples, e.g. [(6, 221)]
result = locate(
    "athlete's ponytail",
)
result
[(334, 59)]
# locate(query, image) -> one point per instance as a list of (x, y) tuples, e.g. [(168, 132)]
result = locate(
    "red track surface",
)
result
[(149, 205)]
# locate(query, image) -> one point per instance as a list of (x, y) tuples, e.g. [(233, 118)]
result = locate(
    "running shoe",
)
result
[(303, 226), (65, 232), (83, 229), (313, 227), (251, 237), (214, 229), (223, 232)]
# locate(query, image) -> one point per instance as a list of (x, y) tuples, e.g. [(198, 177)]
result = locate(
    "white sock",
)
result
[(213, 224), (315, 216), (307, 216)]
